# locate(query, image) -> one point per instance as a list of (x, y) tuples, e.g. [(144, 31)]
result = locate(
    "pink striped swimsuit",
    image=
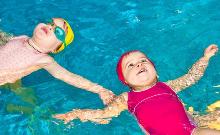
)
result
[(159, 111), (15, 57)]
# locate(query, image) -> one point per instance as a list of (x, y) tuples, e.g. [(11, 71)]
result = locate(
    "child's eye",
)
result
[(144, 60), (58, 31), (130, 65)]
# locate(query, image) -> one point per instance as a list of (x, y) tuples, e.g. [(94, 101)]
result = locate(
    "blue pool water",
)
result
[(173, 34)]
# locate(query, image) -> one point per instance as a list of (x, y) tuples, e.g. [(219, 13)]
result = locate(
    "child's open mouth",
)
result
[(142, 71)]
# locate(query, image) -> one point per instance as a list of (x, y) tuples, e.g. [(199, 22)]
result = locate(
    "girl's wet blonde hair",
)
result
[(4, 37)]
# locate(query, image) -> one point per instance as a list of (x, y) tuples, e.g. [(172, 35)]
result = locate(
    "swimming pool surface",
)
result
[(173, 34)]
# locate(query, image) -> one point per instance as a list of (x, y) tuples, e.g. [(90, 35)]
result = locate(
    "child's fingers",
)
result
[(59, 116), (107, 96), (213, 45), (62, 117), (214, 48), (211, 50)]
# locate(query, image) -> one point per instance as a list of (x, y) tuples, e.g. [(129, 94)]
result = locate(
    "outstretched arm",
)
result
[(78, 81), (195, 73), (103, 116)]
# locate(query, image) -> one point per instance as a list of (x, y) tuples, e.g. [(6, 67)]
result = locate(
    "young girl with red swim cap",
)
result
[(155, 104)]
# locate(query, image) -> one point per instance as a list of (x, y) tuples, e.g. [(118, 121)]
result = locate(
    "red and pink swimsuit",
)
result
[(159, 111)]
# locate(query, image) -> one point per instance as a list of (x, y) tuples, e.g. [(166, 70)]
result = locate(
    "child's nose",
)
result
[(139, 64), (50, 27)]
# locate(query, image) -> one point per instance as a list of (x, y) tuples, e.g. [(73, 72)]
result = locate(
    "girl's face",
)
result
[(138, 71), (45, 37)]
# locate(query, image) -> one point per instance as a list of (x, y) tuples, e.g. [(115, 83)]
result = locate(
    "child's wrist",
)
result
[(97, 89), (205, 57), (80, 114)]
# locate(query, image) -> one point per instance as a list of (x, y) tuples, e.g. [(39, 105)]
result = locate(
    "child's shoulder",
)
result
[(46, 59), (24, 37)]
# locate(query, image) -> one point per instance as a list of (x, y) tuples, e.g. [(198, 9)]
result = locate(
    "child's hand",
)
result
[(67, 117), (107, 96), (210, 51)]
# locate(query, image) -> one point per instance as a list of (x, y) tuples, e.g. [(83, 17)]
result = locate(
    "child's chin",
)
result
[(40, 34), (142, 78), (142, 82)]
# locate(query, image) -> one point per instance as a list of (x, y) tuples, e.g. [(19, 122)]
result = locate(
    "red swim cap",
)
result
[(119, 66)]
